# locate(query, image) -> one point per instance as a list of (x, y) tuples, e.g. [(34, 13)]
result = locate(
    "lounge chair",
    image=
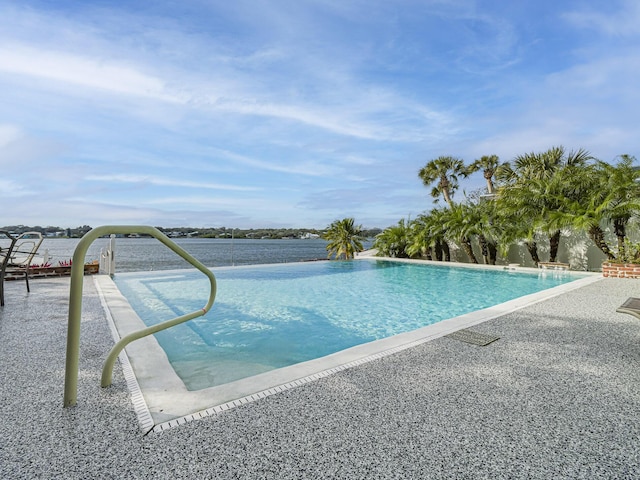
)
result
[(16, 259), (631, 306), (5, 255)]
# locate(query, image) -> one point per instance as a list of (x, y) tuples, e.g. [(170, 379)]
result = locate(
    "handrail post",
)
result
[(112, 255), (75, 315)]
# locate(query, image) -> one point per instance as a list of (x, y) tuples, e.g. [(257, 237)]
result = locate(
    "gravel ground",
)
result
[(558, 396)]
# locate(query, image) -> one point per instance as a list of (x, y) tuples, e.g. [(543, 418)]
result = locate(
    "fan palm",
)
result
[(488, 164), (444, 171)]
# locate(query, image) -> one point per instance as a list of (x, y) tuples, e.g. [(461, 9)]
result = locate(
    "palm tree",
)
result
[(434, 223), (393, 241), (514, 228), (421, 243), (622, 185), (603, 193), (540, 165), (488, 164), (533, 186), (345, 238), (585, 216), (510, 225), (483, 213), (461, 226), (445, 171), (585, 208)]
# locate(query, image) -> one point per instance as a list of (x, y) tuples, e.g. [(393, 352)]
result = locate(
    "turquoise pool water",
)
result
[(267, 317)]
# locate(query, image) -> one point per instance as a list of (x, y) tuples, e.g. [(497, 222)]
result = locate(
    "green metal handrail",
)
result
[(75, 305)]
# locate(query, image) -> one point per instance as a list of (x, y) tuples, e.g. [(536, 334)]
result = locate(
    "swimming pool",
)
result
[(269, 317), (162, 399)]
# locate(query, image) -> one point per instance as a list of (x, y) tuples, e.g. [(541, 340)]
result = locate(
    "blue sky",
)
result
[(257, 113)]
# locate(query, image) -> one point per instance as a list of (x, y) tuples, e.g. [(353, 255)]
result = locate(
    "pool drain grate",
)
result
[(475, 338)]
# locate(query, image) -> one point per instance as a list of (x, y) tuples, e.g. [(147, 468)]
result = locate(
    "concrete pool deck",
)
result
[(558, 396)]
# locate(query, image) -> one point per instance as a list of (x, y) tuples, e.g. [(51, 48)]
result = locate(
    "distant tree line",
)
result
[(217, 232), (49, 231), (253, 233)]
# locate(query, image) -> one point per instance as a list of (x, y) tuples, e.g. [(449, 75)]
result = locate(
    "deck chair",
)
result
[(17, 258), (631, 306), (5, 255)]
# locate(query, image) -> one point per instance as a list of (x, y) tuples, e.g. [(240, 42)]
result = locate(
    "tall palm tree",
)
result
[(488, 164), (345, 238), (444, 171)]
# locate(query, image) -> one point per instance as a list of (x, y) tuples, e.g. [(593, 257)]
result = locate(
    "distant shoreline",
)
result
[(189, 232)]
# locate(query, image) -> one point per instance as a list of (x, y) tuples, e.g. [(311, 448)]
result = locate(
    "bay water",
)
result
[(147, 254)]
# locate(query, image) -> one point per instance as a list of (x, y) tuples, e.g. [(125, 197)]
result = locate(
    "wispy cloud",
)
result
[(165, 182), (10, 189), (621, 22), (8, 134), (80, 71)]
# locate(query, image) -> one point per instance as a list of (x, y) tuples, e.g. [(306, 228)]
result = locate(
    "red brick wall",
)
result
[(621, 270)]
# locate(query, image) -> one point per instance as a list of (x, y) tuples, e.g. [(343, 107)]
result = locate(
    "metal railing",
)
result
[(107, 258), (75, 305)]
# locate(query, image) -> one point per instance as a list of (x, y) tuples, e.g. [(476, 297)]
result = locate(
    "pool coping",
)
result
[(162, 401)]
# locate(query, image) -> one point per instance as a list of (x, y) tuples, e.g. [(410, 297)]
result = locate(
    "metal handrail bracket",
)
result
[(75, 305)]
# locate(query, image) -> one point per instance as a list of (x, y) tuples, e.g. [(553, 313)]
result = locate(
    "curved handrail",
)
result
[(75, 305)]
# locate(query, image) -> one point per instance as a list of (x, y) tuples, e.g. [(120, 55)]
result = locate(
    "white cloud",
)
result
[(165, 182), (349, 118), (623, 22), (9, 134), (198, 202), (303, 168), (83, 71), (10, 189), (19, 150)]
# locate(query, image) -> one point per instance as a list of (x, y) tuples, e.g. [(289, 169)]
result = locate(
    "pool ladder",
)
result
[(75, 305)]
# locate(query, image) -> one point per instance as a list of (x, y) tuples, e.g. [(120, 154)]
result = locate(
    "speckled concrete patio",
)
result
[(558, 396)]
